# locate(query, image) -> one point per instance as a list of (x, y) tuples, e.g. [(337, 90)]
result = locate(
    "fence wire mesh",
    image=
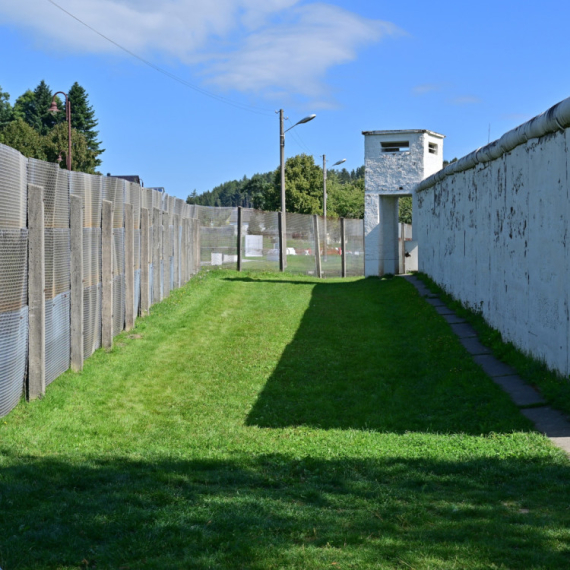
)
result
[(58, 336), (330, 242), (354, 235), (300, 244), (13, 277), (56, 183), (218, 235), (260, 241), (13, 189)]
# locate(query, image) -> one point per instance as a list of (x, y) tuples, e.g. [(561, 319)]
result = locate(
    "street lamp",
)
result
[(282, 233), (53, 110), (325, 197)]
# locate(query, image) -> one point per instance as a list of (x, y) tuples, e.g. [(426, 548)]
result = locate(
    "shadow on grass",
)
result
[(274, 511), (371, 354)]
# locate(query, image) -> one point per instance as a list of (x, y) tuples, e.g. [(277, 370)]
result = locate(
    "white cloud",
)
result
[(466, 100), (427, 88), (256, 46)]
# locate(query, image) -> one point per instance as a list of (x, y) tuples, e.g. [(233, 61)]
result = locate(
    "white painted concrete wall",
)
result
[(495, 235)]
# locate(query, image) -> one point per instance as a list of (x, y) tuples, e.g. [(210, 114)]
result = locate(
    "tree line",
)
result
[(303, 191), (30, 128)]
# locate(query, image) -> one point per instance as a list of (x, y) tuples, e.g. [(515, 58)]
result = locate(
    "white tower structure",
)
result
[(395, 161)]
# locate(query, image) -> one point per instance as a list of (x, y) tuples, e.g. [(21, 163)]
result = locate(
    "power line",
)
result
[(220, 98), (298, 139)]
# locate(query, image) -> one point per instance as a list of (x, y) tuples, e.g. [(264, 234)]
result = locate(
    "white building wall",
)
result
[(495, 237)]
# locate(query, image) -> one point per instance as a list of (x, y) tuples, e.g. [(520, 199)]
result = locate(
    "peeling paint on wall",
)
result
[(493, 233)]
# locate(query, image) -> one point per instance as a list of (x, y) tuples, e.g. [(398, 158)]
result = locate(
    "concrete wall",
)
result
[(493, 228)]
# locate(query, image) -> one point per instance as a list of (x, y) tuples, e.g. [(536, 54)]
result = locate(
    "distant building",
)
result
[(130, 178)]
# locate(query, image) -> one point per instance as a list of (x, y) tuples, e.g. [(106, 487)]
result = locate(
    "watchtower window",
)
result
[(432, 147), (397, 146)]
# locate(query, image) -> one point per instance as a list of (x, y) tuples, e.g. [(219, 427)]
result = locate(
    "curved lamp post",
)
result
[(325, 197), (282, 233), (53, 110)]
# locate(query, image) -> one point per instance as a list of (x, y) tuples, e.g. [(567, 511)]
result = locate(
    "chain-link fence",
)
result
[(44, 187), (259, 248)]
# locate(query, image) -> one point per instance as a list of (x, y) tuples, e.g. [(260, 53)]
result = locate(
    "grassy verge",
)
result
[(257, 421), (553, 386)]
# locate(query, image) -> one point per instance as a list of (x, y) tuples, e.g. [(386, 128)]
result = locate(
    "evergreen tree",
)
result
[(6, 111), (83, 119), (33, 107)]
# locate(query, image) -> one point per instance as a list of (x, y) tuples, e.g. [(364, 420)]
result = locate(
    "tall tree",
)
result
[(83, 119), (33, 107), (303, 188), (19, 135), (6, 111), (55, 145)]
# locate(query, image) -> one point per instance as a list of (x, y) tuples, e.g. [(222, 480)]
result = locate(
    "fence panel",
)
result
[(13, 277), (354, 230), (218, 236), (300, 244), (114, 191), (55, 182), (260, 240), (90, 188), (331, 258), (133, 195)]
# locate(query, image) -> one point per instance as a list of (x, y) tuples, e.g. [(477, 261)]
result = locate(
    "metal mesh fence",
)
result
[(218, 235), (13, 277), (300, 244), (260, 240), (55, 182), (90, 188), (133, 195), (330, 242), (354, 235)]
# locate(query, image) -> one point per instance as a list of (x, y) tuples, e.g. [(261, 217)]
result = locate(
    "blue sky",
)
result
[(452, 67)]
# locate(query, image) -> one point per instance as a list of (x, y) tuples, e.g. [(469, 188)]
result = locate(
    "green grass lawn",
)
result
[(258, 422)]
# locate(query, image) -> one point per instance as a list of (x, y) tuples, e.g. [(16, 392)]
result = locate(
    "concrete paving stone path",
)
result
[(548, 421)]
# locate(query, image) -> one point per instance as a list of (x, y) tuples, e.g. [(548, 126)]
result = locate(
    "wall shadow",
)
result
[(373, 355), (274, 511)]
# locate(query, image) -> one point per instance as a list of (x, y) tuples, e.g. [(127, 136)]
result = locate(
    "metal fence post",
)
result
[(239, 221), (107, 274), (282, 245), (343, 245), (129, 268), (317, 245), (76, 266), (145, 273), (36, 293)]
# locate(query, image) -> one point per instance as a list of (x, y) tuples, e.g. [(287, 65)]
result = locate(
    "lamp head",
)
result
[(53, 108), (306, 119), (339, 162)]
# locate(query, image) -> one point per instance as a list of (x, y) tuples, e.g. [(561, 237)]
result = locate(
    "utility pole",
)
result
[(325, 205), (283, 229)]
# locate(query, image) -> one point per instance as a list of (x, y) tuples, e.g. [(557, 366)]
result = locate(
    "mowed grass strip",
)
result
[(259, 422)]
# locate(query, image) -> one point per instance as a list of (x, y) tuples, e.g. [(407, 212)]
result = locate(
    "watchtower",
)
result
[(395, 161)]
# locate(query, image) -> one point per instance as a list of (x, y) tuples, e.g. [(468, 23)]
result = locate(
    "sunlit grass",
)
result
[(258, 421)]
